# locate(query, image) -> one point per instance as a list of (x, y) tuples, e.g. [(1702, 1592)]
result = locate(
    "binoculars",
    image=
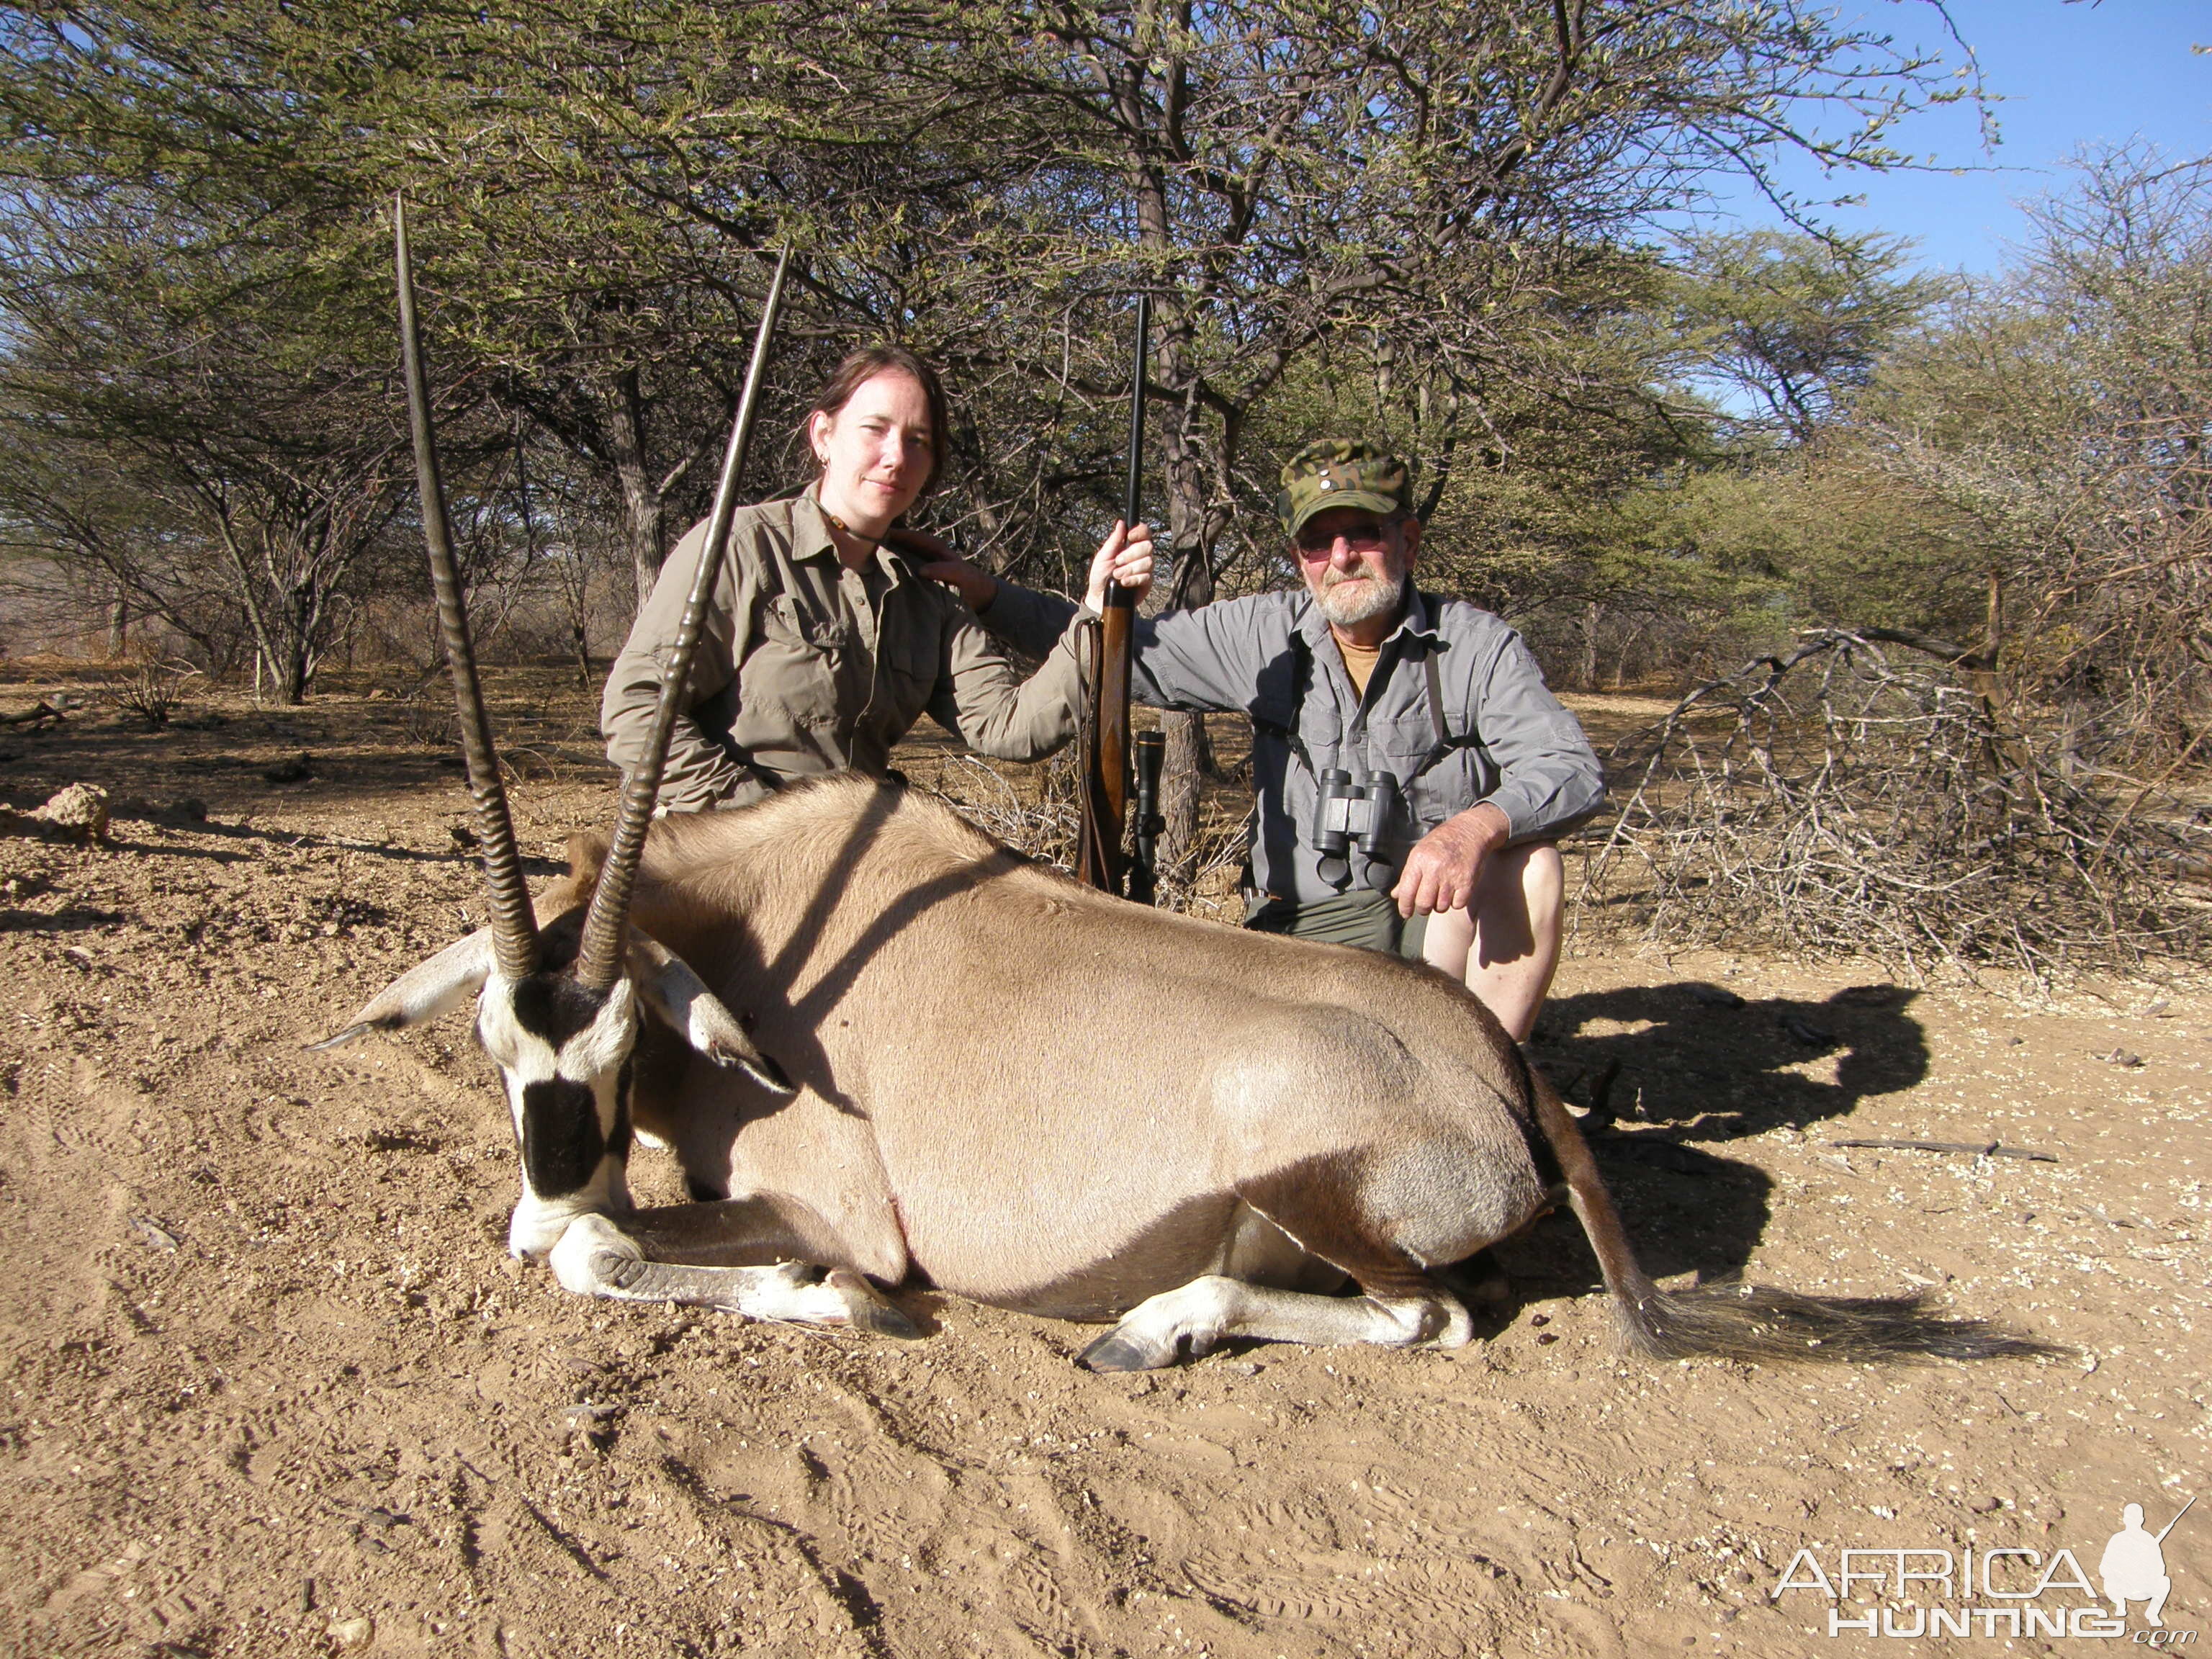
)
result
[(1349, 815)]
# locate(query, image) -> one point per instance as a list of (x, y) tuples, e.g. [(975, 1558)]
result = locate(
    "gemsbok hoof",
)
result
[(1113, 1352), (866, 1309)]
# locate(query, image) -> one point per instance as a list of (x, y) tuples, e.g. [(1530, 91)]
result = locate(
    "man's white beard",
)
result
[(1347, 605)]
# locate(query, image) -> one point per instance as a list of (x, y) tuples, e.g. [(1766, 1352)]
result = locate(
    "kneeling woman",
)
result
[(823, 645)]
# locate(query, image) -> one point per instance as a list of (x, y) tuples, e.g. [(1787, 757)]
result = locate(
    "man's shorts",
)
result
[(1366, 919)]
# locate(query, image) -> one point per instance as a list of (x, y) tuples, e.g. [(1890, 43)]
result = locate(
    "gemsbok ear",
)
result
[(436, 987), (684, 1004)]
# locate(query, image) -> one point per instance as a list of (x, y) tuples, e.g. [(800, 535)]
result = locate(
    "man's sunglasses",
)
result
[(1371, 537)]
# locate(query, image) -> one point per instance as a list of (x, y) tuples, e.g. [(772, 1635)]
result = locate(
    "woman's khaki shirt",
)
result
[(805, 667)]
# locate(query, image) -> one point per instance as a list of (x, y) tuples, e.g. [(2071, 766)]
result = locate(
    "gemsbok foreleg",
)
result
[(613, 1257)]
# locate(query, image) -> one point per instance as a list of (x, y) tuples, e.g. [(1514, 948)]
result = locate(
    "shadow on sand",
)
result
[(1670, 1071)]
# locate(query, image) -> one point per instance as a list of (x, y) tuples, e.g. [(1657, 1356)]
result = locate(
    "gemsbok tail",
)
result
[(1735, 1320)]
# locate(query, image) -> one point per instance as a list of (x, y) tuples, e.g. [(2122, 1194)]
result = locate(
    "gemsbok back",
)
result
[(954, 1063)]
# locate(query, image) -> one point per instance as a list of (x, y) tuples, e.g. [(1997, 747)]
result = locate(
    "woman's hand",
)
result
[(1126, 557), (975, 587)]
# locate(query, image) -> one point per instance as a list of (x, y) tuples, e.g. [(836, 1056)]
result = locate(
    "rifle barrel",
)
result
[(1106, 791), (1132, 499)]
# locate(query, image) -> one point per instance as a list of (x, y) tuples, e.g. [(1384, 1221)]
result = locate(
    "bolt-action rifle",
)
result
[(1100, 861)]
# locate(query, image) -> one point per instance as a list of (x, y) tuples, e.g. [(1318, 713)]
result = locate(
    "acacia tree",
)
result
[(1442, 192), (1790, 324), (1286, 176), (2056, 421), (246, 412), (269, 140), (83, 541), (543, 144), (187, 295)]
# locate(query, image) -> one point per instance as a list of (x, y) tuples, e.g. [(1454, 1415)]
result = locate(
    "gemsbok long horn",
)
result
[(514, 930), (598, 958)]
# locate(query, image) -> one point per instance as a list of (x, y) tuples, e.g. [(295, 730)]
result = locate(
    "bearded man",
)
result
[(1413, 772)]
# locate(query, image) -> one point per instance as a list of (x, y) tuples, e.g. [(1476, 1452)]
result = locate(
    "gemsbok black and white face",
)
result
[(564, 1057), (564, 1049)]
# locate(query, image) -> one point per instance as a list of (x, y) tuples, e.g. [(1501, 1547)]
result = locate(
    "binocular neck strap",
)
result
[(1435, 676)]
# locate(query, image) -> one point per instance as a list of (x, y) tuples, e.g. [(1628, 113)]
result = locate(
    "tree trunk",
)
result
[(643, 521), (1189, 756), (644, 503), (583, 652), (1983, 674), (1590, 617), (295, 618), (264, 647)]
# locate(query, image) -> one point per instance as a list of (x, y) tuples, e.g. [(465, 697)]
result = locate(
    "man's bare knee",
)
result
[(1516, 921), (1518, 904)]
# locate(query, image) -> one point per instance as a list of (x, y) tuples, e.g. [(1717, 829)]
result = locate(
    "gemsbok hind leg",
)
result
[(1200, 1315), (681, 1252), (1399, 1305)]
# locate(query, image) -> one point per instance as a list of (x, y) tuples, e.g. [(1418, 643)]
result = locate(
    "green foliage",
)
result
[(1794, 325), (1445, 204), (2050, 430)]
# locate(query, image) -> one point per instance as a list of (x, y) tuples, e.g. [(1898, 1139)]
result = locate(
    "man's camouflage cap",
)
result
[(1342, 472)]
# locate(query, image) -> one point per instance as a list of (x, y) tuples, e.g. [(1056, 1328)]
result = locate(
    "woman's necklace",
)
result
[(871, 543)]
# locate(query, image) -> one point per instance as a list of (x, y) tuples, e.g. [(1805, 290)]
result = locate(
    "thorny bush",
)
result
[(1836, 801), (149, 688)]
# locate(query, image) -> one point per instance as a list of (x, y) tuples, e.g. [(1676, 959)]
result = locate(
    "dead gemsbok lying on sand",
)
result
[(954, 1063)]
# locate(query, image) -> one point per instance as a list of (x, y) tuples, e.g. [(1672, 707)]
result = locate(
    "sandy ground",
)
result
[(269, 1385)]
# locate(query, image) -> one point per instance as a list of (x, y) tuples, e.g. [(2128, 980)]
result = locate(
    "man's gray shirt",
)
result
[(1504, 739)]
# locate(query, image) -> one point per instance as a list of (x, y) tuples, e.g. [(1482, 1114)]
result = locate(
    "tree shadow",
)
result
[(357, 756), (76, 919), (1662, 1067), (239, 835), (533, 864), (1700, 1063)]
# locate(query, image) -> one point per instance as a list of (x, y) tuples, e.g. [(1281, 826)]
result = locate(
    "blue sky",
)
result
[(2067, 76)]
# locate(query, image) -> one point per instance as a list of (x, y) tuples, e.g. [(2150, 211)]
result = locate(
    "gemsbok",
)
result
[(882, 1046)]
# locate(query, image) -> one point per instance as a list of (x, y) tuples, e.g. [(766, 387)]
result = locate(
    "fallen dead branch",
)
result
[(1976, 1148), (1840, 799)]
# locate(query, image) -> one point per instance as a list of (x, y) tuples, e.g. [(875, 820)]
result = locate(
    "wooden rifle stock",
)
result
[(1106, 789), (1100, 861)]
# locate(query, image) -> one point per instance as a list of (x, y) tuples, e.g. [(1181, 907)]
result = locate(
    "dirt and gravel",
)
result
[(269, 1384)]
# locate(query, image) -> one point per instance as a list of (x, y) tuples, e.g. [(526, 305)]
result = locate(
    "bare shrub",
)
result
[(1041, 823), (1836, 800), (1040, 816), (151, 689), (428, 719)]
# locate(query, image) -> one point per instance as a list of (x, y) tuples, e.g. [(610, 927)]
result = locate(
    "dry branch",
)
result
[(1836, 800), (1975, 1148)]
